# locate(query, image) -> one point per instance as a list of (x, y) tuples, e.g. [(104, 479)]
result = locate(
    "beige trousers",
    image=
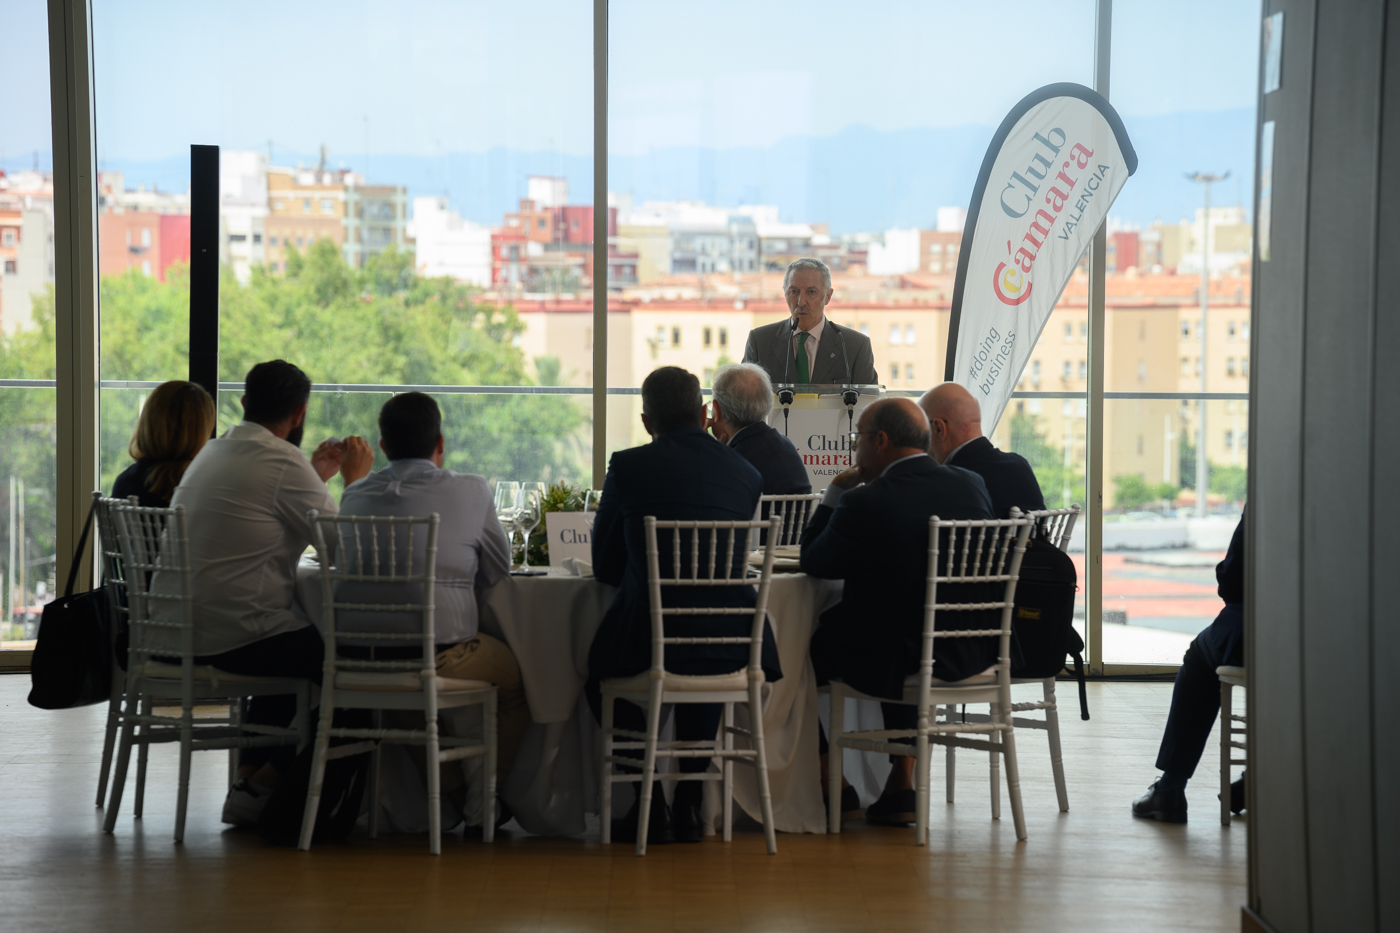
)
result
[(482, 658)]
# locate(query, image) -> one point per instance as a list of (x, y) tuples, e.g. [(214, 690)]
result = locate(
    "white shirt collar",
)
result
[(899, 461), (815, 332), (954, 452)]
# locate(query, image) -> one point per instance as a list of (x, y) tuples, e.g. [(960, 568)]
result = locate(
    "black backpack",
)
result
[(1042, 622), (342, 791)]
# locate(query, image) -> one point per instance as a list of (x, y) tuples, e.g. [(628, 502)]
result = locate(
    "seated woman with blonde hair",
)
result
[(176, 422)]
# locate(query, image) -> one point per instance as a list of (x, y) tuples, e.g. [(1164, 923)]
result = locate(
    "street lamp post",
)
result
[(1202, 465)]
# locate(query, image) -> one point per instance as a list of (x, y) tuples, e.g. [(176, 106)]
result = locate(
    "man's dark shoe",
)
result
[(895, 809), (1163, 804), (686, 825), (658, 827), (850, 805), (504, 814), (1237, 796)]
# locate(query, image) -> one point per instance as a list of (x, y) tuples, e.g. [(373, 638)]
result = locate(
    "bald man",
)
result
[(955, 423), (871, 530)]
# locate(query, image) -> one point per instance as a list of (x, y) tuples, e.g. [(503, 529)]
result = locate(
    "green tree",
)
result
[(1131, 491), (1048, 463), (1229, 481)]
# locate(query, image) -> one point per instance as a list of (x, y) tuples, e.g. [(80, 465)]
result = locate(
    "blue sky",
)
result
[(429, 78)]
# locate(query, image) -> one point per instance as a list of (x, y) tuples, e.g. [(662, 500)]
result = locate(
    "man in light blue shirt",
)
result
[(472, 554)]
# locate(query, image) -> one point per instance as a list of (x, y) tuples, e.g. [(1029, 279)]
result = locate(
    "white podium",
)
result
[(819, 424)]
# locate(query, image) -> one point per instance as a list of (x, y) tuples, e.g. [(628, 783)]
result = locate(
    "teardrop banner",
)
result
[(1055, 166)]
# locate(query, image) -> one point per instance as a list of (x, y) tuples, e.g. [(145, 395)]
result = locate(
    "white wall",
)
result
[(449, 245), (898, 254)]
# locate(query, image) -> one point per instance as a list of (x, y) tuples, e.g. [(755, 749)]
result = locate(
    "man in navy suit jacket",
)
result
[(955, 422), (871, 530), (681, 474), (743, 397)]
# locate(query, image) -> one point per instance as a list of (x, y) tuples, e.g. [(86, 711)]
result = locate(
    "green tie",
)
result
[(803, 377)]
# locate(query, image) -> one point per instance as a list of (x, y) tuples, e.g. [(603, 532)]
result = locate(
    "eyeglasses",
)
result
[(851, 437)]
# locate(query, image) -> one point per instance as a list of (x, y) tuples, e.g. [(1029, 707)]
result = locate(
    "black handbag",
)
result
[(1043, 621), (72, 663)]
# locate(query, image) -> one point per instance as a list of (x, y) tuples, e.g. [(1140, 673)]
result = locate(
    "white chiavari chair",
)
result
[(795, 511), (960, 553), (1232, 724), (114, 581), (155, 559), (377, 580), (697, 559)]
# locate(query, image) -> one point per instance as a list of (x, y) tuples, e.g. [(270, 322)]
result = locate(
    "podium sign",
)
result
[(819, 426), (569, 536)]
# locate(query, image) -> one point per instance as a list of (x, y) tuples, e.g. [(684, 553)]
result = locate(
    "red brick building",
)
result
[(141, 240)]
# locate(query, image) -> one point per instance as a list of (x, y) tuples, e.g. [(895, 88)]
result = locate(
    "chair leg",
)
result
[(648, 767), (1013, 783), (109, 739), (434, 757), (765, 797), (318, 773), (375, 760), (951, 757), (186, 746), (995, 768), (235, 718), (488, 781), (833, 760), (727, 767), (922, 761), (1226, 722), (133, 701), (605, 782), (147, 708), (1052, 728)]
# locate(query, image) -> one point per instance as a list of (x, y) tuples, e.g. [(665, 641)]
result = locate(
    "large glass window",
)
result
[(28, 470), (405, 200), (805, 130), (1172, 359)]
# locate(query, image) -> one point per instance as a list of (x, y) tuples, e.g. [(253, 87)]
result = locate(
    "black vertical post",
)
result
[(204, 267)]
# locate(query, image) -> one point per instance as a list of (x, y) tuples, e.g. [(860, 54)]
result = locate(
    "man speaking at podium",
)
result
[(806, 347)]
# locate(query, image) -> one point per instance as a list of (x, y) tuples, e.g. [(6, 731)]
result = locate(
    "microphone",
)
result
[(785, 391)]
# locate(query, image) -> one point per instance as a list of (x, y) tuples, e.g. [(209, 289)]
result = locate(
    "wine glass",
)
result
[(591, 498), (543, 490), (527, 516), (507, 494)]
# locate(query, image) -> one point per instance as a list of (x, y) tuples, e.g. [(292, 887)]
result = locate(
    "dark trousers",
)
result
[(1196, 697), (695, 722), (296, 654), (829, 657)]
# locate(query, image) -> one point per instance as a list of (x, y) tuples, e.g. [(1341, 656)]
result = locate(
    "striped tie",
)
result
[(803, 377)]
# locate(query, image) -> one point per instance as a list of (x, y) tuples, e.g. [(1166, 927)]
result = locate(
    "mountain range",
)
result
[(859, 179)]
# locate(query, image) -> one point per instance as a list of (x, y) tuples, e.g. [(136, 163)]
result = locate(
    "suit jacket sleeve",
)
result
[(827, 545), (609, 543), (750, 354), (863, 366)]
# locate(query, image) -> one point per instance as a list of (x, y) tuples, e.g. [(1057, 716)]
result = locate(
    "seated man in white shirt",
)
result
[(472, 554), (246, 495)]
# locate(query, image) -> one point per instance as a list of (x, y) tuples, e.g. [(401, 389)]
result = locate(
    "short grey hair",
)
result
[(807, 262), (744, 393)]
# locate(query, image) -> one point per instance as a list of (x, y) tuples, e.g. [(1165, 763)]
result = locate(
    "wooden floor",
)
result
[(1094, 868)]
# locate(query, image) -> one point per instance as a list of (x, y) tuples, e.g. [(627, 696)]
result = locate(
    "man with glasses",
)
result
[(871, 530), (955, 420), (805, 347)]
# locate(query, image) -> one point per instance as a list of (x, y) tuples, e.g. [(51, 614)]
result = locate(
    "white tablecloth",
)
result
[(549, 623)]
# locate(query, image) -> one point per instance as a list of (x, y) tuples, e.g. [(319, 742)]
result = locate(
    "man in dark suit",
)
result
[(826, 349), (871, 530), (1196, 696), (955, 422), (743, 398), (681, 474)]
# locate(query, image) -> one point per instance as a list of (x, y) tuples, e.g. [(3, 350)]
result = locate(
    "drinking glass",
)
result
[(527, 515), (507, 496), (591, 498)]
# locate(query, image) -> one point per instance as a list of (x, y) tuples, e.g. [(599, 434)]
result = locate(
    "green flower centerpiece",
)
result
[(560, 497)]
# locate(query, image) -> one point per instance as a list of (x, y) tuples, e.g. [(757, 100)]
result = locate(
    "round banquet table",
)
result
[(549, 622)]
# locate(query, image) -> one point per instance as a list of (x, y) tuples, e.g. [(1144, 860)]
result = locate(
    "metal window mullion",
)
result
[(75, 270), (1094, 425), (600, 241)]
